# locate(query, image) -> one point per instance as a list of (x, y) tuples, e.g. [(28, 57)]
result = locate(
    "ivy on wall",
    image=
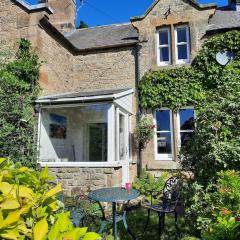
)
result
[(214, 90), (18, 90)]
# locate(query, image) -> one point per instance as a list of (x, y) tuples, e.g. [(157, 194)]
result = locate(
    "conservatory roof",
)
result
[(85, 96)]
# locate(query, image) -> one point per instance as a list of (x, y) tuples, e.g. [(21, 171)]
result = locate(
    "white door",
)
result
[(123, 144)]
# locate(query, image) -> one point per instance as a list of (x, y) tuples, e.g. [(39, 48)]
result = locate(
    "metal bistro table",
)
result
[(115, 195)]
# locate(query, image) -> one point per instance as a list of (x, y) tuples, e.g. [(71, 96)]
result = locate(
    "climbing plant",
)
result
[(18, 90), (214, 90)]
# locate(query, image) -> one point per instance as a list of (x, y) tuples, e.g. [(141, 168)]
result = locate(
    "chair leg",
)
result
[(160, 225), (163, 221), (148, 218), (176, 220)]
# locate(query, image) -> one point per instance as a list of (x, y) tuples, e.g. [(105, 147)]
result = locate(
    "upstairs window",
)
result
[(164, 46), (182, 47)]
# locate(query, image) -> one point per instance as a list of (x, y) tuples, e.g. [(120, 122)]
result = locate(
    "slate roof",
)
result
[(103, 36), (224, 18), (86, 95)]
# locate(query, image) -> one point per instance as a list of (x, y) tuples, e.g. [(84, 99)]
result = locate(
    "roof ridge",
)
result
[(199, 5)]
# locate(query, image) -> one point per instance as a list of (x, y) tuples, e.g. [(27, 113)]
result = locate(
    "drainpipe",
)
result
[(139, 108)]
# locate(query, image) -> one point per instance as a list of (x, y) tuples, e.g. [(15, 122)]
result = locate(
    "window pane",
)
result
[(163, 120), (181, 35), (163, 37), (164, 54), (122, 143), (164, 143), (98, 142), (182, 52), (186, 119), (185, 136)]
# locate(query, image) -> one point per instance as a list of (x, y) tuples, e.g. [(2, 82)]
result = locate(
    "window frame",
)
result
[(162, 156), (111, 161), (182, 61), (164, 63)]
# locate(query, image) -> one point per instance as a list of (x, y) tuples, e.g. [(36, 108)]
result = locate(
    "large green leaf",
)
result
[(92, 236), (9, 204), (40, 230), (53, 192)]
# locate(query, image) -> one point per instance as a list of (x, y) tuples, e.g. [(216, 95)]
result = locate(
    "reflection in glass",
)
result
[(163, 120), (186, 119), (185, 136), (182, 52), (164, 54), (163, 37), (121, 137), (181, 35), (98, 142), (164, 143)]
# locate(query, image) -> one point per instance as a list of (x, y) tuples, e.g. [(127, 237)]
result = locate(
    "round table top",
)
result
[(115, 194)]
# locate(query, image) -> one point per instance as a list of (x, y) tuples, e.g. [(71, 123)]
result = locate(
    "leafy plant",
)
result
[(214, 91), (18, 90), (148, 184), (29, 208), (144, 131), (215, 207)]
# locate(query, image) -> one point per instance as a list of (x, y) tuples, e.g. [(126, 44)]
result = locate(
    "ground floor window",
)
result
[(74, 134), (172, 129), (88, 133)]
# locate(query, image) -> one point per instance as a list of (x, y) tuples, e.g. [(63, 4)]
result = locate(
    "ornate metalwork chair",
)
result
[(167, 205)]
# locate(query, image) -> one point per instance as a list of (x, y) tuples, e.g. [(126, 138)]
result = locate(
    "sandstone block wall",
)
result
[(87, 179)]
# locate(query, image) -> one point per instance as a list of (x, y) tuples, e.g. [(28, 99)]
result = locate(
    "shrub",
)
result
[(216, 207), (147, 183), (18, 90), (29, 208)]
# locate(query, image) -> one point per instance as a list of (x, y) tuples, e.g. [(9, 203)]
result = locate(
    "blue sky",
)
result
[(95, 12)]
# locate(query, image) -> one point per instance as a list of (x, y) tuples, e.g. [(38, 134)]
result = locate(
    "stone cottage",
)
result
[(89, 105)]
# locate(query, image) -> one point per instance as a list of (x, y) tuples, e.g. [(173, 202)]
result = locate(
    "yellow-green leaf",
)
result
[(53, 192), (2, 160), (23, 169), (40, 230), (26, 192), (10, 234), (92, 236), (11, 218), (6, 188), (10, 204), (75, 234)]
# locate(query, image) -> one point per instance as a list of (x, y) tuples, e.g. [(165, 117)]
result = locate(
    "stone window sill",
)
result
[(81, 164), (163, 165)]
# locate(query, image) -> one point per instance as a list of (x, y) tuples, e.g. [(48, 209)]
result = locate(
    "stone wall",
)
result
[(87, 179), (181, 12), (16, 23)]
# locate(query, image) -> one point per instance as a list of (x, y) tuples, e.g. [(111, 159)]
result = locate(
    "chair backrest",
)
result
[(171, 191)]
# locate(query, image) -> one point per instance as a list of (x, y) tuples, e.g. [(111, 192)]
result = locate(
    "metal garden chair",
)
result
[(167, 205)]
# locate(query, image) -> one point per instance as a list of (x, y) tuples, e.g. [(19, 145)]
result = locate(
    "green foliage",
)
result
[(215, 207), (225, 227), (144, 131), (18, 90), (172, 88), (214, 91), (29, 208), (82, 25), (148, 184)]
